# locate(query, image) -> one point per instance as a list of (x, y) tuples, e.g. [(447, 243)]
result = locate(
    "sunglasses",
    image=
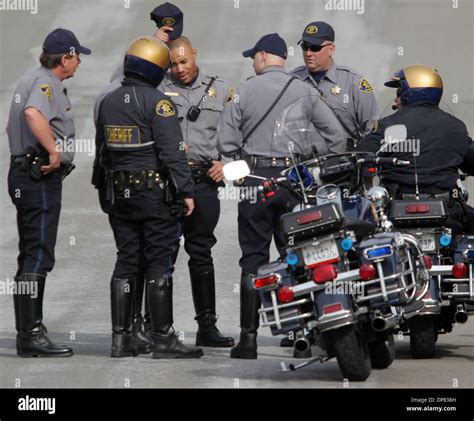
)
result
[(314, 48)]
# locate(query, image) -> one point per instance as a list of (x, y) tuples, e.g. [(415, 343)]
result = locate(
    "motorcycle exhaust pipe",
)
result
[(460, 316), (302, 348), (379, 324)]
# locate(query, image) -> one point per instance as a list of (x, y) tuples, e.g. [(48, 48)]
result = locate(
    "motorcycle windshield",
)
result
[(295, 133)]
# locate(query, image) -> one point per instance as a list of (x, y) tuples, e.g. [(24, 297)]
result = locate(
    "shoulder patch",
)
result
[(231, 95), (164, 108), (47, 91), (364, 86)]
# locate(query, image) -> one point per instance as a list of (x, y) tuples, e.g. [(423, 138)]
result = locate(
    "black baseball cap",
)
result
[(271, 43), (63, 41), (317, 32), (168, 14)]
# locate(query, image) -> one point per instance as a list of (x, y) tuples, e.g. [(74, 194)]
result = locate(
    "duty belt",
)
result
[(263, 162), (199, 170), (136, 180)]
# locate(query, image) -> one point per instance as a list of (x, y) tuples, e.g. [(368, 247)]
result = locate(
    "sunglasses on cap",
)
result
[(305, 46)]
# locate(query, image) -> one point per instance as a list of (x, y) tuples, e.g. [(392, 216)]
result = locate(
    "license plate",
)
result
[(427, 242), (325, 250)]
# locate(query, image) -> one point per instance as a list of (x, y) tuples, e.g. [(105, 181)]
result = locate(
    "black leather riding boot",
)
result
[(160, 301), (204, 296), (31, 340), (121, 298), (249, 305), (141, 341)]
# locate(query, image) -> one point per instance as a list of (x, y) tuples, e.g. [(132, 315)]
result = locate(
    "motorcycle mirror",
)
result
[(236, 170), (392, 135)]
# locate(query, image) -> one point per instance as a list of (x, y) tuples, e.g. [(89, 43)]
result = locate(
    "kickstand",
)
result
[(321, 358)]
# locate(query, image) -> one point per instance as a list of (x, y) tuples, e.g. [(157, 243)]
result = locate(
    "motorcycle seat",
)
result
[(361, 228)]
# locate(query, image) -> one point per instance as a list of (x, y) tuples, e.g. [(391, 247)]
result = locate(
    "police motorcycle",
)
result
[(340, 280), (450, 296)]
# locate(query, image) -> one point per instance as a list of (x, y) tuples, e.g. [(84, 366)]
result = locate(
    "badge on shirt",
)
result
[(375, 126), (172, 93), (231, 95), (165, 109), (364, 86), (212, 92), (47, 91), (336, 90)]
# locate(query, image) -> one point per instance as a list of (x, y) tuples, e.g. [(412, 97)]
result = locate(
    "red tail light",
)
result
[(428, 262), (266, 281), (285, 294), (309, 217), (332, 308), (367, 272), (324, 274), (460, 270), (420, 208)]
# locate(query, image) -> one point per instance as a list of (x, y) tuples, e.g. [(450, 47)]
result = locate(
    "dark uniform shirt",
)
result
[(139, 128), (441, 140), (41, 89), (348, 94)]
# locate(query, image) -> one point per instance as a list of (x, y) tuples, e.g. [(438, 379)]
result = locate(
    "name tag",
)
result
[(122, 136)]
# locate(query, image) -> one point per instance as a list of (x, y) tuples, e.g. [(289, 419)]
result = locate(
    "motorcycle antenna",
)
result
[(417, 190), (305, 198)]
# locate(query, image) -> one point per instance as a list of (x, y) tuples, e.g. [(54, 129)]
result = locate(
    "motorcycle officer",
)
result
[(139, 142), (437, 143)]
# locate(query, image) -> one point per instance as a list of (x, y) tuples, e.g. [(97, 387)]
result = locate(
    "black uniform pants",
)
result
[(198, 229), (38, 205), (146, 236), (259, 222)]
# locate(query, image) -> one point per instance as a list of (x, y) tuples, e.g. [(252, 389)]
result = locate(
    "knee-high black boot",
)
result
[(249, 305), (31, 340), (121, 298), (160, 302), (142, 342), (204, 296)]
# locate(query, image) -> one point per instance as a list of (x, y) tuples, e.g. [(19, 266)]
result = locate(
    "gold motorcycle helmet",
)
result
[(148, 58), (417, 83)]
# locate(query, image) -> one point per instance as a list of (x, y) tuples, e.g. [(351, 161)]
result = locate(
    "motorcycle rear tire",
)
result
[(422, 336), (351, 351), (382, 351)]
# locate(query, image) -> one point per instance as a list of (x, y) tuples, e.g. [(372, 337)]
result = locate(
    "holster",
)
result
[(33, 163)]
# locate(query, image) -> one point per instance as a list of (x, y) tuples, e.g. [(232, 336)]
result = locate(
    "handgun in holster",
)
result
[(33, 163)]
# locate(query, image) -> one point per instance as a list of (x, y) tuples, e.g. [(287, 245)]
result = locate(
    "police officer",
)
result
[(347, 93), (437, 143), (169, 22), (258, 222), (40, 126), (139, 142), (200, 99)]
